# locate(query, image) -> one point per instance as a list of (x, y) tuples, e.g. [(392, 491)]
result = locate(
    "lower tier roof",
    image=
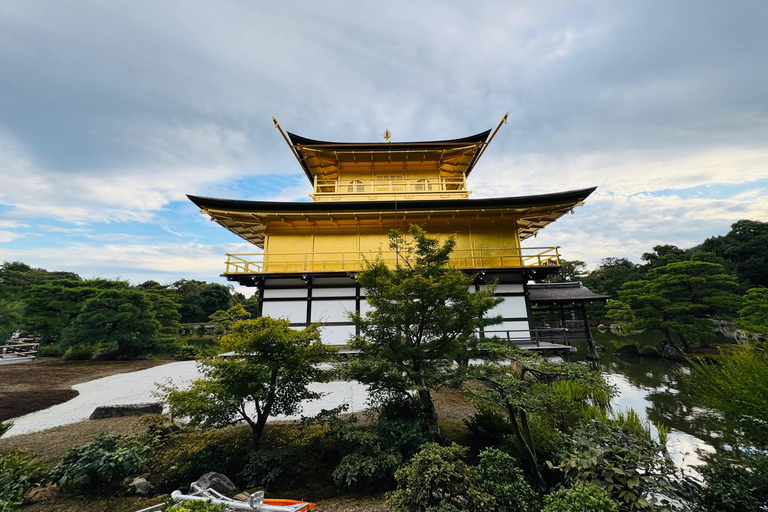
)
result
[(250, 219)]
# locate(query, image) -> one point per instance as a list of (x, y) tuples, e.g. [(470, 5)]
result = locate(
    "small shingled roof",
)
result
[(562, 293)]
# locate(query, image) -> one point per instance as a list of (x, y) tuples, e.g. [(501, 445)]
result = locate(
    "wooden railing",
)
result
[(353, 188), (353, 261)]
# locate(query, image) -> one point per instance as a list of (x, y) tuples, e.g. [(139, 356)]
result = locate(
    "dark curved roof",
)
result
[(454, 157), (249, 219), (372, 146), (235, 205)]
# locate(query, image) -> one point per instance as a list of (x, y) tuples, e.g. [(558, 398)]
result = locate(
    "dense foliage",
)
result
[(557, 394), (82, 318), (743, 247), (679, 299), (735, 482)]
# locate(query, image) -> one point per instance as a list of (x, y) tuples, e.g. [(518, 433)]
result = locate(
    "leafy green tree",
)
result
[(215, 297), (251, 305), (754, 315), (664, 255), (117, 319), (680, 299), (199, 300), (51, 306), (16, 281), (423, 319), (569, 271), (164, 305), (225, 319), (611, 274), (273, 367), (744, 247)]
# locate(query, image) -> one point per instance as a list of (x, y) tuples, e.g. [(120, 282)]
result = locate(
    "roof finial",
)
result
[(387, 134)]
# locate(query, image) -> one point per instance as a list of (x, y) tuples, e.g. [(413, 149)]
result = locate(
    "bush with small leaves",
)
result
[(100, 466), (18, 473), (79, 352), (580, 498), (191, 506), (500, 477), (5, 427), (438, 479), (52, 350)]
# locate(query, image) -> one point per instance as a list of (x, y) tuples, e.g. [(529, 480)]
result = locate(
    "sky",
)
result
[(111, 112)]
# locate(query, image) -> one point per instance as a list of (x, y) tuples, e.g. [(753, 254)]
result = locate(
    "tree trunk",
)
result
[(428, 408), (525, 439)]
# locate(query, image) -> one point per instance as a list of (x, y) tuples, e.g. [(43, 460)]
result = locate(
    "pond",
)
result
[(653, 388)]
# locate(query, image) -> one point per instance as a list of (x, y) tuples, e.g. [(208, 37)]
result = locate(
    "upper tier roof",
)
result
[(454, 158), (249, 219)]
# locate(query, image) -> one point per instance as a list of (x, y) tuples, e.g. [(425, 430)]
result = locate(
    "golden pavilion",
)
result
[(308, 252)]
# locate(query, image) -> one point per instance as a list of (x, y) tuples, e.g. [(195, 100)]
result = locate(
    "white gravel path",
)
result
[(137, 387)]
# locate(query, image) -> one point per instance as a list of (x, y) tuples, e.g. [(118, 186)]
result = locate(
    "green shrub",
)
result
[(370, 454), (79, 352), (184, 352), (266, 466), (635, 471), (52, 350), (580, 499), (100, 466), (365, 471), (438, 479), (5, 427), (734, 485), (500, 477), (18, 473)]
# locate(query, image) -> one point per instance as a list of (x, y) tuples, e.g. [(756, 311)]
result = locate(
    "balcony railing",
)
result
[(353, 261), (359, 189)]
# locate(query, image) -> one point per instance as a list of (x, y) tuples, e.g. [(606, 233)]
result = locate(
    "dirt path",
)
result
[(26, 388)]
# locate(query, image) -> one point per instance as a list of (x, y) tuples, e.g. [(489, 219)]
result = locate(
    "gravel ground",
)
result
[(138, 387)]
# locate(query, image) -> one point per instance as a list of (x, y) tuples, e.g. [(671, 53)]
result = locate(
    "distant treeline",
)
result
[(725, 277), (81, 318)]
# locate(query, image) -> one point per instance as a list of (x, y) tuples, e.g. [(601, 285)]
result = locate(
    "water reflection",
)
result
[(654, 389)]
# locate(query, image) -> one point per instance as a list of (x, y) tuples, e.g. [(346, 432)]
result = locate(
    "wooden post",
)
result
[(590, 342)]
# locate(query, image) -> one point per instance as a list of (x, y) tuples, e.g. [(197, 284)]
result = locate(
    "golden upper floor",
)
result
[(388, 171)]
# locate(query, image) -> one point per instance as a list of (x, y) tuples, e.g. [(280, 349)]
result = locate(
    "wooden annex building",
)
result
[(306, 254)]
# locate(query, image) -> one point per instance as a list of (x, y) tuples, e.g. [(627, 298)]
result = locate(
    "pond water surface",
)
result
[(653, 388)]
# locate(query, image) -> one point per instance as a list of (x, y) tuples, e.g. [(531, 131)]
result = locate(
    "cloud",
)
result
[(167, 262), (112, 112), (616, 226)]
